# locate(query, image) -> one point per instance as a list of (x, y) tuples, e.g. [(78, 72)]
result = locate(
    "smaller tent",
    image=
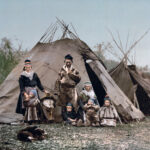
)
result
[(133, 85), (145, 75), (130, 80)]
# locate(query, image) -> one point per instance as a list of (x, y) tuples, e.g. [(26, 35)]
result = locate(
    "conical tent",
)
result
[(48, 58), (133, 85), (129, 79)]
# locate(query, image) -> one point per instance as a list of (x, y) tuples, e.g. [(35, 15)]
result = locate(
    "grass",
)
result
[(133, 136)]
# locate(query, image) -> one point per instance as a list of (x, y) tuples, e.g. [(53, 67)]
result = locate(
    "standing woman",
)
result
[(28, 81)]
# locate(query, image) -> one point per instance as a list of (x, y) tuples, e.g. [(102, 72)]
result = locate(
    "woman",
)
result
[(28, 82)]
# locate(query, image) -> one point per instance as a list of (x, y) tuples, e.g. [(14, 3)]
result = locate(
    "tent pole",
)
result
[(118, 116), (136, 101)]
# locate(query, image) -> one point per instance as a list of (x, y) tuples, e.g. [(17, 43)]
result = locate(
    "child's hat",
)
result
[(88, 83), (69, 104), (107, 98), (34, 92), (91, 100)]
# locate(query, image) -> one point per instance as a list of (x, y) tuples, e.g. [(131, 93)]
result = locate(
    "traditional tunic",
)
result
[(91, 113), (66, 83), (108, 115), (27, 80), (69, 115)]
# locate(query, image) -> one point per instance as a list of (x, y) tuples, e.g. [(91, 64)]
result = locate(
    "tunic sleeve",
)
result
[(39, 85), (57, 83), (115, 112), (75, 76), (21, 84)]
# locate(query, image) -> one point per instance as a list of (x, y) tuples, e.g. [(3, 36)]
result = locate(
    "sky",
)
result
[(25, 21)]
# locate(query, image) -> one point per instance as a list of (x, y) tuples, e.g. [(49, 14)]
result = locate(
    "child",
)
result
[(86, 94), (108, 114), (30, 102), (69, 115), (91, 113)]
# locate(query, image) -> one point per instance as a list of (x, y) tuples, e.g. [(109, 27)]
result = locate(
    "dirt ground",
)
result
[(133, 136)]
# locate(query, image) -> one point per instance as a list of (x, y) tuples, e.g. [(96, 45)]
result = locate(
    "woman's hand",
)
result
[(26, 96)]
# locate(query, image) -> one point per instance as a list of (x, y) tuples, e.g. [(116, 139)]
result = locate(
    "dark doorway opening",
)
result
[(97, 85), (142, 97), (144, 100)]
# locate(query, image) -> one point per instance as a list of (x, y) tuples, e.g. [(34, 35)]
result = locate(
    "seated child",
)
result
[(86, 94), (108, 114), (30, 102), (69, 115), (91, 113)]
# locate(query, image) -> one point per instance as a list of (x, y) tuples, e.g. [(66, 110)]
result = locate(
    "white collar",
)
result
[(28, 74)]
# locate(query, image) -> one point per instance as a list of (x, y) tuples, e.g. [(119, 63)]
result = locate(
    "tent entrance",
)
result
[(142, 97), (97, 85), (144, 100)]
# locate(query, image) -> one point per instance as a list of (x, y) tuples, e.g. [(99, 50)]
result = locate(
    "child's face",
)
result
[(69, 108), (90, 103), (31, 95), (88, 88), (107, 103)]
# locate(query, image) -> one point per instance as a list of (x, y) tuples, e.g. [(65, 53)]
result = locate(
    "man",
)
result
[(68, 79)]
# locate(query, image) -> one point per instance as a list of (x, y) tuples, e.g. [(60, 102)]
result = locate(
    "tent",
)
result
[(48, 57), (133, 85), (130, 80), (145, 75)]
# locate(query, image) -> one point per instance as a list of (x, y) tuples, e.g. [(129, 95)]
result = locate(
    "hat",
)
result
[(91, 100), (107, 98), (27, 61), (68, 56), (34, 92), (88, 83), (69, 104)]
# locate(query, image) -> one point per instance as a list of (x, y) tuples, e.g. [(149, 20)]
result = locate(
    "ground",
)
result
[(133, 136)]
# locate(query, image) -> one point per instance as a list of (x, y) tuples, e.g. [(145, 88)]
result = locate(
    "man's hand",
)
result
[(69, 72), (46, 92)]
